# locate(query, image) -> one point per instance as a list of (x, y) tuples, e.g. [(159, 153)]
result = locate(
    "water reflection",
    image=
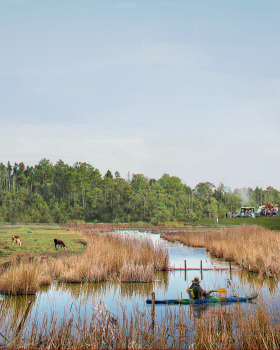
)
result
[(197, 311), (129, 290), (13, 309), (245, 277), (167, 285), (83, 292)]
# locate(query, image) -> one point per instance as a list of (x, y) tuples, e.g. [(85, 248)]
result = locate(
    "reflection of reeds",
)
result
[(254, 248), (245, 277), (134, 290), (85, 291)]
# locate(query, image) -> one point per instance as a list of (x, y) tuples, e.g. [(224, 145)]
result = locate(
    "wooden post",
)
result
[(153, 311), (201, 265), (230, 265), (185, 264)]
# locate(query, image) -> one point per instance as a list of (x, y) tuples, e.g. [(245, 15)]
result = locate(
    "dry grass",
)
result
[(138, 273), (238, 328), (107, 257), (254, 248), (20, 279), (223, 328)]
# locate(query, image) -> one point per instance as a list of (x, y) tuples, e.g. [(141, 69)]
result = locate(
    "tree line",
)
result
[(60, 193)]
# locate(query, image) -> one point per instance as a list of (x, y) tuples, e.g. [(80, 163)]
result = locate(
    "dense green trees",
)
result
[(59, 193)]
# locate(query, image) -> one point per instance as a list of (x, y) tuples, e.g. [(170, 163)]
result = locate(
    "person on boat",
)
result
[(196, 292)]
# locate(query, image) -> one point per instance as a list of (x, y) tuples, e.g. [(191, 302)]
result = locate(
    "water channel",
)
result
[(62, 299)]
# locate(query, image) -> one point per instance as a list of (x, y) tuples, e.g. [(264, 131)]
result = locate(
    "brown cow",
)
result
[(17, 240), (59, 242)]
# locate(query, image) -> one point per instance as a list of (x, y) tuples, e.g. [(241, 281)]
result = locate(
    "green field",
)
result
[(38, 239), (272, 223)]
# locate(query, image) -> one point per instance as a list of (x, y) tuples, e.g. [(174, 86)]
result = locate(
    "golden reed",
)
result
[(254, 248), (107, 257), (221, 327)]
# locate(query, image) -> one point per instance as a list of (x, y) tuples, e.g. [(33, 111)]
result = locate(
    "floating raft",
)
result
[(209, 300)]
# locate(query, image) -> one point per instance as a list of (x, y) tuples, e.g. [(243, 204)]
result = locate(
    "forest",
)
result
[(61, 193)]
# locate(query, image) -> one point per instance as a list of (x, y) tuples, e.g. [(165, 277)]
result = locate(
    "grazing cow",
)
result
[(17, 240), (59, 242)]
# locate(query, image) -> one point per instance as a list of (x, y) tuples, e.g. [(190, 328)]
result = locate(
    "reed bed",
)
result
[(243, 328), (138, 273), (239, 327), (107, 257), (22, 277), (254, 248), (111, 257)]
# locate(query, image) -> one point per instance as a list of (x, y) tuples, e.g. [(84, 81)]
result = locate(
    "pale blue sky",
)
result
[(188, 88)]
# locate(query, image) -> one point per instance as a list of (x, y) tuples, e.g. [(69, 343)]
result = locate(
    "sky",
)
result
[(180, 87)]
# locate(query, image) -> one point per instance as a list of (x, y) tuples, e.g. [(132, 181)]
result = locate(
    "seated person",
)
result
[(196, 292)]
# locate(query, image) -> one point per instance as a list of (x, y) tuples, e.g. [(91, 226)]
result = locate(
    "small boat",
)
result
[(209, 300)]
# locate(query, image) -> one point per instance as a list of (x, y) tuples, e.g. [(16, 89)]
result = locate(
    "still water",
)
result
[(61, 299)]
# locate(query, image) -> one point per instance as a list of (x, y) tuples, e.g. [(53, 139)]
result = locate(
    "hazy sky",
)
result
[(183, 87)]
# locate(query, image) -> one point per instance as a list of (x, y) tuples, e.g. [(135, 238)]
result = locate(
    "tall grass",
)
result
[(107, 257), (254, 248), (138, 273), (238, 327), (20, 279)]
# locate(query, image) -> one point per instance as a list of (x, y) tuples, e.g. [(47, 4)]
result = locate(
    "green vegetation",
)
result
[(38, 240), (59, 193), (272, 223)]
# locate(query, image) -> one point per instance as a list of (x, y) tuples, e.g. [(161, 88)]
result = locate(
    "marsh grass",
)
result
[(111, 257), (253, 326), (20, 279), (254, 248), (136, 273), (238, 328), (106, 257)]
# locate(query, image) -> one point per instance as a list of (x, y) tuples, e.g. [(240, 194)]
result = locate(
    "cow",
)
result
[(59, 242), (17, 240)]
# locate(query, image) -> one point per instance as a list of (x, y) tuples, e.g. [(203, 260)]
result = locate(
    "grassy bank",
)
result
[(272, 223), (107, 256), (37, 240)]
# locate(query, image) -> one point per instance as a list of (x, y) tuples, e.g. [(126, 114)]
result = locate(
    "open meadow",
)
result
[(38, 240)]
